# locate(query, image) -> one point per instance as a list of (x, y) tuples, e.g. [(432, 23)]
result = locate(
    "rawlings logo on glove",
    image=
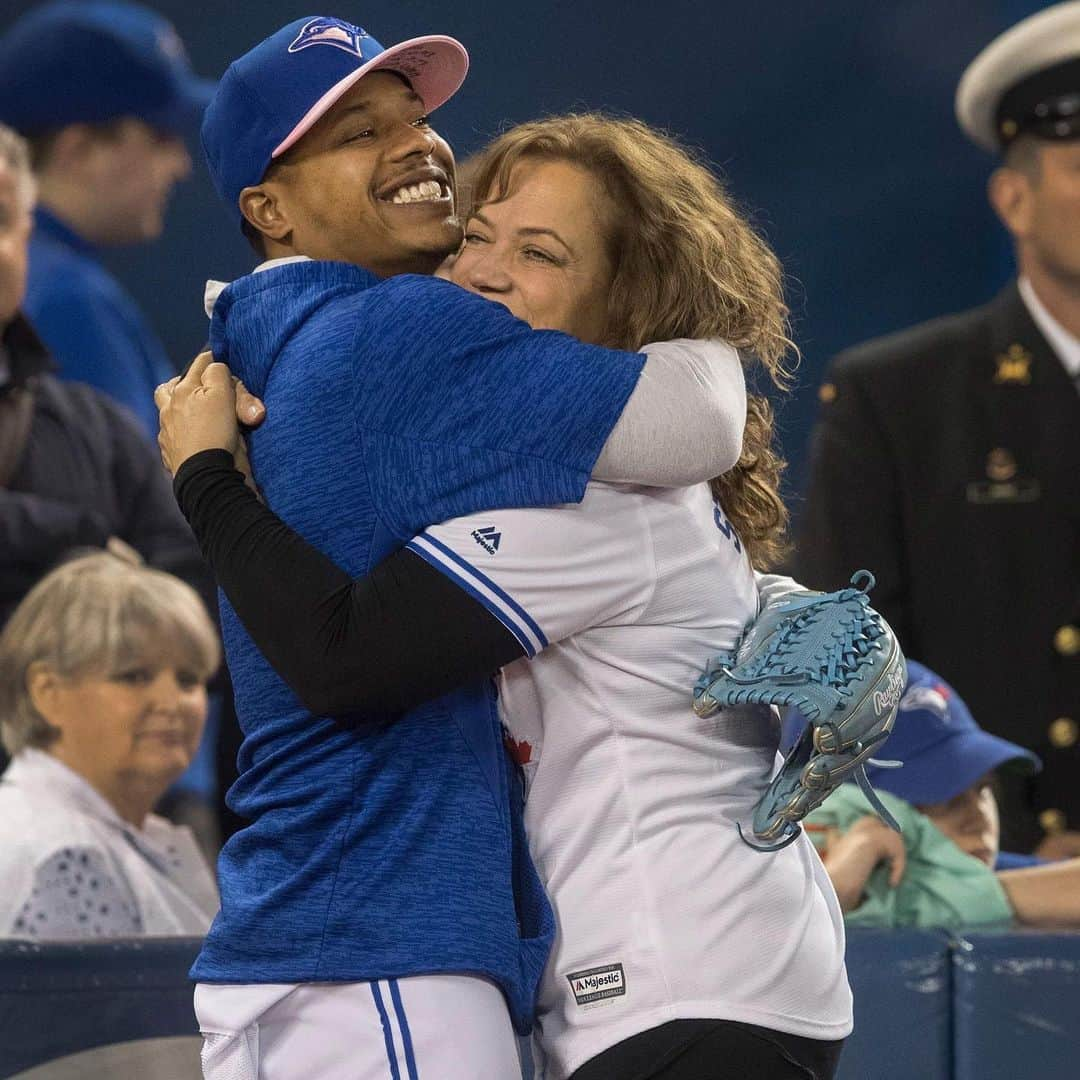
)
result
[(836, 660), (889, 699)]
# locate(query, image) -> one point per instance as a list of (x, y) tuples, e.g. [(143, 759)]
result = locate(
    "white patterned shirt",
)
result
[(72, 868)]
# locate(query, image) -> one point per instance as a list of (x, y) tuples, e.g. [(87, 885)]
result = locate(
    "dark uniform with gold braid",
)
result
[(947, 459)]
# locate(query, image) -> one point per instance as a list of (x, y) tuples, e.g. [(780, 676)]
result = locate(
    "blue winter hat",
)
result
[(276, 92), (91, 61), (942, 749), (935, 737)]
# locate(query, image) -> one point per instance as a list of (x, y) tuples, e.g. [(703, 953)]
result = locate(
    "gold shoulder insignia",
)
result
[(1000, 465), (1013, 366)]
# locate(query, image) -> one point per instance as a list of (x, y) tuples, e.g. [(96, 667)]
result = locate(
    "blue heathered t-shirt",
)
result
[(91, 325), (385, 847)]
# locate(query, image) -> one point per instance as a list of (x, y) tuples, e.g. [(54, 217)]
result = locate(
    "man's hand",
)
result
[(850, 858), (197, 412)]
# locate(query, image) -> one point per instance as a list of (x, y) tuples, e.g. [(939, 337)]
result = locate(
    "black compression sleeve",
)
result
[(383, 643)]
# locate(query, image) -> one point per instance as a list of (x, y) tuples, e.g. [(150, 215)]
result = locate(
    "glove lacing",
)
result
[(857, 638)]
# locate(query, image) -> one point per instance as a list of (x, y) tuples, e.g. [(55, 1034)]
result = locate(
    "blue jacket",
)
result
[(93, 329), (384, 847)]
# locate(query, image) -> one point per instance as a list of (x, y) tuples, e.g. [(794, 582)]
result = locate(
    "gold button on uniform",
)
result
[(826, 393), (1067, 641), (1063, 732), (1052, 821)]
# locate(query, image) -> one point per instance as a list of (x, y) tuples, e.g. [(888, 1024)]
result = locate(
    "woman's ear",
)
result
[(46, 688)]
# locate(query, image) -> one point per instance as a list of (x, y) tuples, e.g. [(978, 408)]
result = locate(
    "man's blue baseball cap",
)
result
[(942, 749), (91, 61), (269, 98)]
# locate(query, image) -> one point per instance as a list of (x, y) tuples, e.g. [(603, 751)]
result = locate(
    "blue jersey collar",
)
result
[(46, 223)]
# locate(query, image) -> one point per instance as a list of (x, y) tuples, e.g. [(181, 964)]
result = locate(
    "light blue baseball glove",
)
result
[(836, 660)]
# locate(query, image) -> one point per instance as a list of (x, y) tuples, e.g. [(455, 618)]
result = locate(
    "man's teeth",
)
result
[(428, 191)]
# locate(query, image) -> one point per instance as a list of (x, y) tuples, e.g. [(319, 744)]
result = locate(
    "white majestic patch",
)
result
[(598, 984)]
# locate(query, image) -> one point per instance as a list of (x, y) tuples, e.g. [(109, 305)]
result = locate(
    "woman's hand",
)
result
[(198, 411), (850, 859)]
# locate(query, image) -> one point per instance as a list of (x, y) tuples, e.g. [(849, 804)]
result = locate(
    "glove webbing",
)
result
[(856, 638)]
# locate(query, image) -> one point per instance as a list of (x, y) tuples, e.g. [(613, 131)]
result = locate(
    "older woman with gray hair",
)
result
[(103, 671)]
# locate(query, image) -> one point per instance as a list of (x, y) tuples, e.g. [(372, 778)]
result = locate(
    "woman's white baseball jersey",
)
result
[(663, 912)]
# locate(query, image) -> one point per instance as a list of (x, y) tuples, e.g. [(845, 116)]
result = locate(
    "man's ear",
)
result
[(264, 210), (1010, 195), (70, 148)]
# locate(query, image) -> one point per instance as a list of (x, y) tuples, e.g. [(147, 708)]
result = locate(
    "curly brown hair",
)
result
[(687, 264)]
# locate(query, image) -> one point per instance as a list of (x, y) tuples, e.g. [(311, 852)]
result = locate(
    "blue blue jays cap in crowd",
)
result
[(269, 98), (91, 61), (942, 749)]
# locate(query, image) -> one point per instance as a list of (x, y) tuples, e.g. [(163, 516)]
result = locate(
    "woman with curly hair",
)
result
[(679, 951)]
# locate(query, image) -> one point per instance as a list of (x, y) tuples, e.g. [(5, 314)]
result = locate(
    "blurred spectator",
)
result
[(105, 94), (75, 470), (947, 457), (946, 868), (103, 671)]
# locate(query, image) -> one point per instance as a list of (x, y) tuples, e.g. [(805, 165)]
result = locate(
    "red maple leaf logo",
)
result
[(520, 752)]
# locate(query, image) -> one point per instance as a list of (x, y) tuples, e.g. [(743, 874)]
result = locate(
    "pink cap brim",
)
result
[(434, 65)]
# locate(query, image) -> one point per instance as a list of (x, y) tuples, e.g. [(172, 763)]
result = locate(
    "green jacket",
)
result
[(942, 885)]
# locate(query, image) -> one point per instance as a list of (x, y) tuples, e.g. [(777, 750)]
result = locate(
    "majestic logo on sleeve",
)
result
[(336, 32), (488, 538), (598, 984)]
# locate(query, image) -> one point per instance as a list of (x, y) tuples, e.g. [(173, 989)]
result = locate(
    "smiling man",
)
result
[(380, 916)]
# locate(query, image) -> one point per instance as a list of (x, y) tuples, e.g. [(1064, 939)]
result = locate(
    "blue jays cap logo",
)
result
[(326, 31), (934, 699)]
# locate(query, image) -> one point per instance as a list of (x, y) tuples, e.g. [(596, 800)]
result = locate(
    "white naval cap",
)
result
[(1026, 81)]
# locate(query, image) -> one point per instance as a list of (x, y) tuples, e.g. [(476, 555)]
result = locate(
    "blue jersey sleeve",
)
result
[(462, 407)]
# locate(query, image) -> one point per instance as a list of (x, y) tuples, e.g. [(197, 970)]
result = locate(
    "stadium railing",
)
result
[(928, 1006)]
